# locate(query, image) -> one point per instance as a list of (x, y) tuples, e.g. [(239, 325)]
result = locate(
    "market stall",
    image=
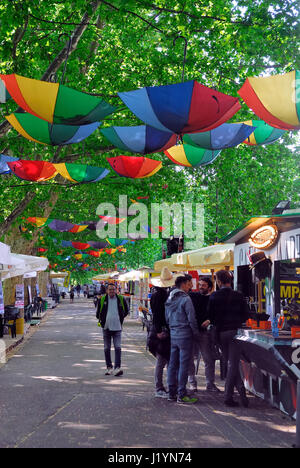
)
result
[(267, 272)]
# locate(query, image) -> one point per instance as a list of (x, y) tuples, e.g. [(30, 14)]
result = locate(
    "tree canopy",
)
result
[(120, 46)]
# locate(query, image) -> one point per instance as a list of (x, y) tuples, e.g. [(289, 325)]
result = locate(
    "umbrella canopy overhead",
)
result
[(274, 99), (141, 139), (116, 242), (4, 159), (263, 134), (135, 167), (84, 245), (225, 136), (191, 156), (38, 171), (181, 108), (54, 102), (41, 131), (57, 225)]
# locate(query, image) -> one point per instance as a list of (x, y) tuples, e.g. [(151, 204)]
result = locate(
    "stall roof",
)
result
[(255, 222), (21, 264), (214, 257)]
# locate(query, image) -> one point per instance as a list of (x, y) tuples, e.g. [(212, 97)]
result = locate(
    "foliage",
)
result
[(126, 45)]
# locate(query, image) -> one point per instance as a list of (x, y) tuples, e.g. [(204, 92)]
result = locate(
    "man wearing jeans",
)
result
[(111, 311), (181, 319)]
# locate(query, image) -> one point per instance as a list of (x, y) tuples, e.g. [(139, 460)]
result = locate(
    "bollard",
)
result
[(297, 445)]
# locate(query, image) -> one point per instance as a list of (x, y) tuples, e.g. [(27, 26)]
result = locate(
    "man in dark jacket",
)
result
[(181, 319), (111, 311), (227, 311)]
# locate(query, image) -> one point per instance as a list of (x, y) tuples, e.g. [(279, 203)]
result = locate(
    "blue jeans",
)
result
[(116, 337), (181, 351)]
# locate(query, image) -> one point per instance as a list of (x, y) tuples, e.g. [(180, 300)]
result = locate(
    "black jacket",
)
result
[(227, 309), (102, 313), (157, 304), (200, 303)]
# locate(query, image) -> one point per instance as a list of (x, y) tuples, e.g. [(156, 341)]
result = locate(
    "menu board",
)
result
[(19, 296), (1, 299)]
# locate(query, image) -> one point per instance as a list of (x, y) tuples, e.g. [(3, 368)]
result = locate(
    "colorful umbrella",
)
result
[(141, 139), (57, 224), (38, 171), (111, 219), (181, 108), (225, 136), (41, 131), (263, 134), (4, 168), (84, 245), (116, 242), (188, 155), (275, 99), (136, 167), (54, 102)]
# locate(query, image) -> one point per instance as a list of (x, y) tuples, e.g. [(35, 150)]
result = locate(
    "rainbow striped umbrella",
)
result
[(188, 155), (263, 134), (54, 102), (274, 99), (41, 131)]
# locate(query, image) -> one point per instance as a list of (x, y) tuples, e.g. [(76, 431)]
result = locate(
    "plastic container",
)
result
[(265, 325)]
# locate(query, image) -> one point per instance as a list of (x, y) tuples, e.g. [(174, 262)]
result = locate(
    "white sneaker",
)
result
[(118, 371), (109, 371), (161, 394)]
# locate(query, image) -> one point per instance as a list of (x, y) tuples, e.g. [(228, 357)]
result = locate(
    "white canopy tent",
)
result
[(20, 264)]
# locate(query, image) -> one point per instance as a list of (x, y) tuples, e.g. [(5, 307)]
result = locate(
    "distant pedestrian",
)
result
[(78, 289), (111, 311), (227, 311), (72, 293), (181, 319)]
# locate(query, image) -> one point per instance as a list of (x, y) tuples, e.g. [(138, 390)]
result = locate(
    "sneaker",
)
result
[(193, 388), (172, 397), (231, 403), (186, 399), (161, 394), (118, 371), (109, 371), (212, 388)]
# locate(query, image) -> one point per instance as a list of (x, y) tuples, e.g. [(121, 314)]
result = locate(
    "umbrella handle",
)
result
[(68, 53), (184, 52)]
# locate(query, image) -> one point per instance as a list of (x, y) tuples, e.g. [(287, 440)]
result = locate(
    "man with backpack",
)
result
[(111, 311)]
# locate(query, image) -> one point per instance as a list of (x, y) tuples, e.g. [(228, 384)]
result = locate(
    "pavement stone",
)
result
[(55, 395)]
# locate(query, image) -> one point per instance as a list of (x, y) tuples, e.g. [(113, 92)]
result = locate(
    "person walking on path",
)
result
[(72, 293), (111, 311), (181, 319), (159, 337), (203, 346), (78, 289), (227, 311)]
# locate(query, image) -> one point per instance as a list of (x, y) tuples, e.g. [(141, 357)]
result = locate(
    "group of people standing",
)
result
[(182, 320)]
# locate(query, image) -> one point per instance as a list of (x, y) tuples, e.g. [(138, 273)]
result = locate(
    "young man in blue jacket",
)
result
[(181, 319), (111, 311)]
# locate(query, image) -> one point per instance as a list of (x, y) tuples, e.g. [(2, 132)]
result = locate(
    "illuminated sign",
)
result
[(264, 237)]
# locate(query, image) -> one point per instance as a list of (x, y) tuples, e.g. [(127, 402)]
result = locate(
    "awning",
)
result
[(133, 275), (21, 264), (167, 262), (106, 276), (4, 254), (214, 257)]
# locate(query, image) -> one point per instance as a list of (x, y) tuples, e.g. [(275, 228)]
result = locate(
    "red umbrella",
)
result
[(136, 167)]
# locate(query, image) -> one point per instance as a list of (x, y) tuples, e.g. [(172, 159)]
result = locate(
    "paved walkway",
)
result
[(54, 394)]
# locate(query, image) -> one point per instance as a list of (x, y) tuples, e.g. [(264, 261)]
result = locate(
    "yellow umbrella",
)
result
[(167, 262)]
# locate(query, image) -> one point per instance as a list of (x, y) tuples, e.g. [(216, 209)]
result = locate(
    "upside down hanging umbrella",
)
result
[(57, 225), (4, 159), (38, 130), (136, 167), (141, 139), (225, 136), (38, 171), (84, 245), (181, 108), (54, 102), (116, 242), (274, 99), (189, 155), (263, 134)]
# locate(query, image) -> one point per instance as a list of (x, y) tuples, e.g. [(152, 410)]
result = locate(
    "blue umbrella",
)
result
[(227, 135)]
